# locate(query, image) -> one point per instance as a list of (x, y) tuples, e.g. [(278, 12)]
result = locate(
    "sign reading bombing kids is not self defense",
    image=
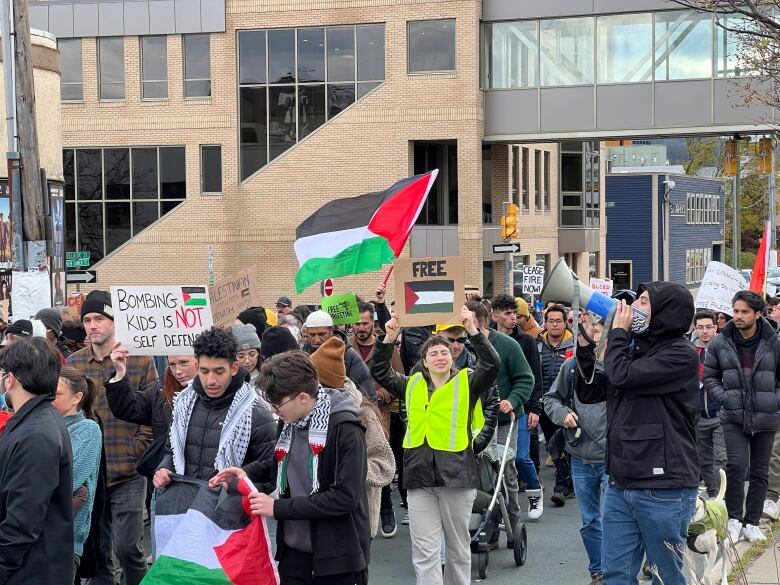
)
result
[(160, 320), (429, 290)]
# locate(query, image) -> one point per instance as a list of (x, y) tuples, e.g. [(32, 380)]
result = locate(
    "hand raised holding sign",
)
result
[(467, 318), (119, 356)]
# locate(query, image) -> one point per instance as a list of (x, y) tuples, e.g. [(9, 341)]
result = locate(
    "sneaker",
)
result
[(735, 530), (535, 503), (752, 533), (549, 462), (559, 499), (405, 519), (770, 510), (596, 579), (387, 519)]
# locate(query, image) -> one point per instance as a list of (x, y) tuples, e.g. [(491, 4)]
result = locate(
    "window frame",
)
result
[(409, 70), (80, 84), (153, 82), (203, 191), (120, 42), (186, 79)]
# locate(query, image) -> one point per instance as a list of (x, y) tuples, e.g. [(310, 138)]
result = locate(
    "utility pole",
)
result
[(772, 201), (737, 224)]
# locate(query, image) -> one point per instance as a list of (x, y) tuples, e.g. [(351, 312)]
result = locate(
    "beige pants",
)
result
[(434, 512)]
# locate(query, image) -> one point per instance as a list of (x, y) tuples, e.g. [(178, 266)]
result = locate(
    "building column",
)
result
[(470, 208)]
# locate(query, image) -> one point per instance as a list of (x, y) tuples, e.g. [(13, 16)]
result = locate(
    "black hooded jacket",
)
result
[(651, 388)]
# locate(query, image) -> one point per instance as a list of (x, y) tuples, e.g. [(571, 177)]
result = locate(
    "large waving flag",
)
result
[(359, 234), (207, 537), (758, 279)]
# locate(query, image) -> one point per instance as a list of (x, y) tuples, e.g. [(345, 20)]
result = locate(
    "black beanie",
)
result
[(254, 316), (276, 340), (98, 301)]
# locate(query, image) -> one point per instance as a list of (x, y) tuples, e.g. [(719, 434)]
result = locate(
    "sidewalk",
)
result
[(765, 570)]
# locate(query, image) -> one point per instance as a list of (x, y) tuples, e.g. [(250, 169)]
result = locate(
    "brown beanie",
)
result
[(329, 361)]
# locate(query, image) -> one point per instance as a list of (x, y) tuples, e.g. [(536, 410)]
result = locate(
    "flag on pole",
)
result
[(359, 234), (758, 279), (207, 537)]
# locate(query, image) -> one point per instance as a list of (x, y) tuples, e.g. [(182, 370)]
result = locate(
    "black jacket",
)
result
[(205, 426), (412, 340), (529, 347), (652, 394), (36, 509), (142, 407), (753, 404)]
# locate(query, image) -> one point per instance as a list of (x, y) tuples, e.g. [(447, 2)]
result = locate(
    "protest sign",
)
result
[(343, 308), (533, 279), (30, 292), (718, 287), (429, 290), (160, 320), (73, 308), (471, 292), (602, 285), (229, 296)]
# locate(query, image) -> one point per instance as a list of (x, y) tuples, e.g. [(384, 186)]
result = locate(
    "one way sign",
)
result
[(82, 277), (506, 248)]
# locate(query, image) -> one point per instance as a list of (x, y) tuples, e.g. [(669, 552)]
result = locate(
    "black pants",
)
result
[(397, 430), (743, 451), (295, 568)]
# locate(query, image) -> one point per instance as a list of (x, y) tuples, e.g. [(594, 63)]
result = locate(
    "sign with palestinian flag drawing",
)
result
[(429, 290), (232, 295), (160, 320), (205, 536)]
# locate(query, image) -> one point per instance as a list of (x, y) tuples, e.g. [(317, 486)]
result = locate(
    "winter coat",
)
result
[(203, 432), (385, 401), (753, 404), (424, 466), (531, 352), (36, 509), (146, 406), (552, 358), (709, 406), (590, 446), (515, 379), (651, 388), (412, 340)]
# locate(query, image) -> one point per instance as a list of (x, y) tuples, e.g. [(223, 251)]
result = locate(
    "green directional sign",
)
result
[(77, 259)]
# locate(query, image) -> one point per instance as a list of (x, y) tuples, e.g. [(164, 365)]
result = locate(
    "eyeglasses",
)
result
[(460, 340), (555, 321), (179, 366), (278, 407)]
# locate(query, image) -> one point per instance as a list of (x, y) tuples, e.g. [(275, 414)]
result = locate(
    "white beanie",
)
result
[(319, 319)]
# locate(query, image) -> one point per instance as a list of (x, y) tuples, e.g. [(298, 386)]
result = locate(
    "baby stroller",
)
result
[(491, 490)]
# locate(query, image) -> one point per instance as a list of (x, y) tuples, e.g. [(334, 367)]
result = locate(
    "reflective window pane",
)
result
[(197, 65), (70, 226), (145, 213), (311, 108), (254, 129), (339, 98), (370, 52), (431, 46), (91, 229), (111, 61), (69, 175), (683, 45), (144, 162), (71, 72), (166, 206), (154, 67), (511, 53), (571, 172), (364, 88), (251, 51), (89, 174), (566, 51), (116, 171), (571, 217), (281, 120), (341, 54), (211, 168), (173, 175), (311, 54), (117, 225), (736, 55), (281, 56), (625, 48)]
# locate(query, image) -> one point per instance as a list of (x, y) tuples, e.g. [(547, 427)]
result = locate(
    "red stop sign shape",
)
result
[(328, 287)]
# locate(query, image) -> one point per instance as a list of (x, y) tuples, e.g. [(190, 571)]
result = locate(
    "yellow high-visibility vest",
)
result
[(442, 419)]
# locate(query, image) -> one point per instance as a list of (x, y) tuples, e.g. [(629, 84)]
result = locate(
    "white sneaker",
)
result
[(753, 533), (535, 503), (735, 530), (770, 509)]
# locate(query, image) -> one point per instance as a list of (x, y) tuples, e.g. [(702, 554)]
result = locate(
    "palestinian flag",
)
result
[(194, 296), (359, 234), (207, 537), (429, 296)]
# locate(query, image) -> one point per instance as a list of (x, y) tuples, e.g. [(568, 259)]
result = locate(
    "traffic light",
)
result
[(764, 154), (509, 222), (730, 158)]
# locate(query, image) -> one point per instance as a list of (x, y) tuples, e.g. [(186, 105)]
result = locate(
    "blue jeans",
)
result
[(636, 522), (525, 467), (590, 482)]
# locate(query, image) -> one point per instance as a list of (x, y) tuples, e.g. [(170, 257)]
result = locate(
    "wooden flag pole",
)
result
[(387, 276)]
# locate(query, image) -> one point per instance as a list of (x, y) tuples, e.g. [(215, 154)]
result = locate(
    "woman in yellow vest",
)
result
[(440, 470)]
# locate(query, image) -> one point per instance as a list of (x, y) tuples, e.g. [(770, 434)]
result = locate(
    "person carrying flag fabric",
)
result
[(440, 469)]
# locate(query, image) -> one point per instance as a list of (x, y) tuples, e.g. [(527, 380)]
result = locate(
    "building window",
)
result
[(732, 53), (197, 65), (211, 168), (441, 207), (701, 209), (511, 52), (154, 67), (566, 46), (113, 193), (291, 81), (683, 45), (71, 72), (696, 262), (580, 201), (547, 181), (111, 64), (625, 48), (538, 179), (431, 46), (544, 260), (526, 184)]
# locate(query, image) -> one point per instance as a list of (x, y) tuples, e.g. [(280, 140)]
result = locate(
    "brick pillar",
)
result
[(470, 207)]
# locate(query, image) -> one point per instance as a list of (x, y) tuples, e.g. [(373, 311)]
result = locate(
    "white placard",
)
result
[(160, 320), (602, 285), (533, 280), (720, 284), (30, 292)]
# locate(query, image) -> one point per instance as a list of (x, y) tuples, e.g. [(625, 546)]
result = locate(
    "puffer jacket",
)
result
[(424, 466), (205, 426), (754, 403), (552, 358)]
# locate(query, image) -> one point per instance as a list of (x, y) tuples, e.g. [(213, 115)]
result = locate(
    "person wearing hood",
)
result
[(52, 321), (650, 383), (248, 355), (254, 316), (319, 328), (199, 443), (742, 372), (323, 533), (525, 320)]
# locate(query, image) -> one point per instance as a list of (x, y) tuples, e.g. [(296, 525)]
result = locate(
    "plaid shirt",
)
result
[(123, 442)]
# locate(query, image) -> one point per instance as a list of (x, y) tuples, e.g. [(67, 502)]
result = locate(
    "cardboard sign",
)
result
[(343, 308), (428, 290), (533, 279), (160, 320), (718, 287), (30, 292), (602, 285), (232, 295), (73, 308)]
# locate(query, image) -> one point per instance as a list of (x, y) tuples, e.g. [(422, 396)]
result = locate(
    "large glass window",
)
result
[(431, 46), (538, 179), (370, 52), (735, 53), (251, 56), (211, 168), (197, 65), (154, 67), (512, 53), (281, 56), (441, 207), (71, 71), (566, 47), (116, 171), (311, 54), (625, 48), (111, 65), (341, 54), (683, 45)]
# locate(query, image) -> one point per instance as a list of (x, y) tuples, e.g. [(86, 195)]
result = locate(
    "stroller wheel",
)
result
[(521, 544), (482, 564)]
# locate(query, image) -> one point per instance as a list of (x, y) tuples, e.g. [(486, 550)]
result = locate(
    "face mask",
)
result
[(639, 324)]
